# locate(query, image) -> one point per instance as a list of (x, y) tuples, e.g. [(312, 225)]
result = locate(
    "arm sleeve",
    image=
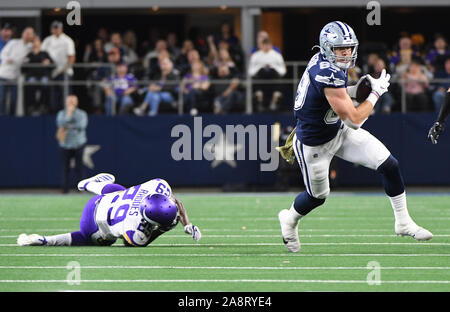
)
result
[(44, 46), (62, 120), (81, 121), (253, 65), (70, 47), (6, 51), (279, 64)]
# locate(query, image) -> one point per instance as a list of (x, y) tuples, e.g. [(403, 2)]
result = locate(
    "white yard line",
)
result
[(271, 236), (226, 281), (218, 267), (280, 244), (246, 218), (260, 230), (289, 255)]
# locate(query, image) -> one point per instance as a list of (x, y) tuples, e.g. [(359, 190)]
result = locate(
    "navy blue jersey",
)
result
[(317, 123)]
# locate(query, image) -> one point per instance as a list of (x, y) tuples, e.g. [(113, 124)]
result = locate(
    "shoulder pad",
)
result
[(328, 77)]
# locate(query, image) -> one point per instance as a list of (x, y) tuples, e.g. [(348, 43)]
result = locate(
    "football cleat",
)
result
[(413, 230), (31, 240), (289, 231), (101, 177)]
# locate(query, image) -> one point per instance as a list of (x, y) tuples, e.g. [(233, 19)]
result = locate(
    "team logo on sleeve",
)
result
[(331, 80)]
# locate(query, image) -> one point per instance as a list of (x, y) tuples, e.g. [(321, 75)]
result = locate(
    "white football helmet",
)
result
[(338, 34)]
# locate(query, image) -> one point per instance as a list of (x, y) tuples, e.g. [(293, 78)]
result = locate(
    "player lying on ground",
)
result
[(138, 215), (438, 126), (328, 125)]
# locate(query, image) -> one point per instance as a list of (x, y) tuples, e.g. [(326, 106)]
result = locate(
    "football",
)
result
[(363, 90)]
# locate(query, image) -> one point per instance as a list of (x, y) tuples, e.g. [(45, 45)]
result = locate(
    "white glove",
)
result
[(194, 231), (379, 86)]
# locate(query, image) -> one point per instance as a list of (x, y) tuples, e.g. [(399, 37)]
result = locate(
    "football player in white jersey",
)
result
[(138, 215), (328, 125)]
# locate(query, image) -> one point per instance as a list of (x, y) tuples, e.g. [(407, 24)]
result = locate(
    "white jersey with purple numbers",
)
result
[(118, 213)]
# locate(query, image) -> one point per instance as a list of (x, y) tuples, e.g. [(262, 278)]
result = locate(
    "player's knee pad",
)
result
[(392, 177), (304, 203), (319, 183)]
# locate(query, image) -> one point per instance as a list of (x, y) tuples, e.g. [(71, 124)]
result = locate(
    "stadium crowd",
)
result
[(126, 76)]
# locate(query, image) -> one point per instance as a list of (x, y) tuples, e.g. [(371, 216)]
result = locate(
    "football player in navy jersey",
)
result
[(328, 125)]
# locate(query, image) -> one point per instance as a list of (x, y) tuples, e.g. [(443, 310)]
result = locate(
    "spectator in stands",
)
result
[(385, 102), (119, 89), (182, 63), (161, 92), (227, 38), (436, 57), (61, 49), (102, 74), (442, 87), (236, 54), (195, 86), (266, 63), (227, 95), (227, 34), (172, 46), (12, 57), (103, 35), (95, 53), (130, 46), (415, 82), (71, 135), (405, 47), (367, 66), (262, 34), (155, 69), (151, 59), (193, 56), (218, 57), (403, 63), (116, 42), (5, 35), (36, 96)]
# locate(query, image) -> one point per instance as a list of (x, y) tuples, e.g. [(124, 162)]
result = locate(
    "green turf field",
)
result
[(241, 248)]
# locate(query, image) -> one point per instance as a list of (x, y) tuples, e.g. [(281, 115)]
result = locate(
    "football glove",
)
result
[(380, 85), (287, 150), (194, 231), (435, 132)]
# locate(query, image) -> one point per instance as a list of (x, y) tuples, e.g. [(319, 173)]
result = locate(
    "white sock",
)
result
[(295, 216), (96, 187), (400, 209), (59, 240)]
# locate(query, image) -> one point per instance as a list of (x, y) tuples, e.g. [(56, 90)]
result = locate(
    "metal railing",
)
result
[(295, 69)]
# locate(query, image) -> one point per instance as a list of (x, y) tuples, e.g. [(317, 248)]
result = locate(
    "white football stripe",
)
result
[(280, 244), (219, 267), (246, 218), (290, 255), (226, 281), (271, 236)]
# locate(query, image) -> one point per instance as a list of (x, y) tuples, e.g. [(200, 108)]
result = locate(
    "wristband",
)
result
[(373, 98)]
